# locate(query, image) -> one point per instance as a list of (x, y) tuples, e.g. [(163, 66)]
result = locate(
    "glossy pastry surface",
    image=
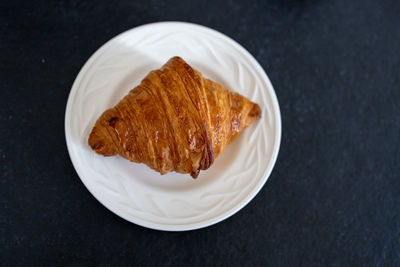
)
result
[(175, 120)]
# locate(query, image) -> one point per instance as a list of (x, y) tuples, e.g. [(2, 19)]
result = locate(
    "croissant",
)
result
[(175, 120)]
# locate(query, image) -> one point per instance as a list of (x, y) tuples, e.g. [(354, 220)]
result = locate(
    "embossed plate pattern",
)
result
[(174, 201)]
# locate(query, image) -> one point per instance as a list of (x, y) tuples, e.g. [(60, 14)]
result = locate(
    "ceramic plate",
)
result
[(174, 201)]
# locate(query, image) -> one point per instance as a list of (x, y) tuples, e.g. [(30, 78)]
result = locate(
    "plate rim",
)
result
[(241, 204)]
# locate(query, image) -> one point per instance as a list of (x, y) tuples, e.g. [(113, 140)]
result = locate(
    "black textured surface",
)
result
[(334, 195)]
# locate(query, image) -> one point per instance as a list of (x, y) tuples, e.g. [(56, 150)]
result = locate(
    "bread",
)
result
[(175, 120)]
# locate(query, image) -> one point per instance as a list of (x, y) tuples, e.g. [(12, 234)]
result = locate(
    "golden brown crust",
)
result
[(175, 120)]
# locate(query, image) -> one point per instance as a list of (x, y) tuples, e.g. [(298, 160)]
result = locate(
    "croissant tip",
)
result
[(99, 145), (195, 174), (176, 58), (255, 111), (96, 146), (93, 143)]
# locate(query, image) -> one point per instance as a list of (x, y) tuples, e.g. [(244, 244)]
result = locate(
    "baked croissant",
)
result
[(175, 120)]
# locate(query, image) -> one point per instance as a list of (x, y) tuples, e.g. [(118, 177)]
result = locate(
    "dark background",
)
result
[(333, 196)]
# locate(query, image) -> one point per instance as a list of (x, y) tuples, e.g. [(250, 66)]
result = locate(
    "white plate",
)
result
[(174, 201)]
